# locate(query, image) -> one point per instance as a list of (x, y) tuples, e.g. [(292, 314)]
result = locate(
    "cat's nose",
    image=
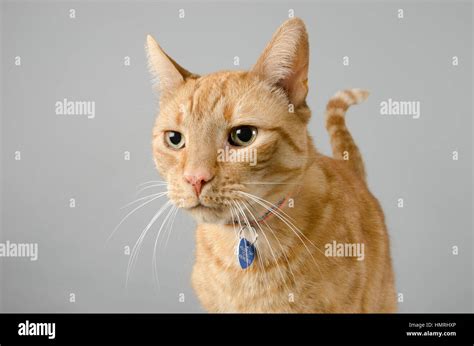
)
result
[(197, 179)]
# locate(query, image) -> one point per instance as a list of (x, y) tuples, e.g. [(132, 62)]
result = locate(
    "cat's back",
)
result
[(358, 215)]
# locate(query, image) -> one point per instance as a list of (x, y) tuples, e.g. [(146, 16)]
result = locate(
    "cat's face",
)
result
[(220, 137)]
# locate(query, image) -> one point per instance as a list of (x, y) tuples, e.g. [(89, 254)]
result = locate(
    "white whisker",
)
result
[(130, 213), (137, 246), (279, 243), (235, 233), (154, 258), (273, 206), (291, 227), (142, 198), (280, 212), (269, 246), (149, 187), (170, 226), (152, 181)]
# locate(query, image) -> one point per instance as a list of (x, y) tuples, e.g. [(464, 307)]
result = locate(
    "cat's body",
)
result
[(324, 200), (334, 205)]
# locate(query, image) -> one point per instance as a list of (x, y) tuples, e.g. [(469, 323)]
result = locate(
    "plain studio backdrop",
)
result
[(65, 157)]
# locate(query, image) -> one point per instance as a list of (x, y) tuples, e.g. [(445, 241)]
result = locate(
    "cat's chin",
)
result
[(204, 214)]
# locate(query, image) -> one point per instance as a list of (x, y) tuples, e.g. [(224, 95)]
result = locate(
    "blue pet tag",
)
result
[(246, 253)]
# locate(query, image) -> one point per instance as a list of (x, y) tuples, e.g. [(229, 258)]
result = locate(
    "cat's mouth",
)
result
[(200, 206), (241, 213), (207, 213)]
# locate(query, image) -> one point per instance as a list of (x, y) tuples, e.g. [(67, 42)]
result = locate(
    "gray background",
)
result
[(67, 157)]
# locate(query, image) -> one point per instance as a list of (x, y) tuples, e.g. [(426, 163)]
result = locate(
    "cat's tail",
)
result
[(343, 145)]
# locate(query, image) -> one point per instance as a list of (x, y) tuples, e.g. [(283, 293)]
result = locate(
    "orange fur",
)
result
[(329, 197)]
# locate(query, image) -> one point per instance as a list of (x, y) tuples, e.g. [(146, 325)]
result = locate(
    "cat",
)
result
[(262, 229)]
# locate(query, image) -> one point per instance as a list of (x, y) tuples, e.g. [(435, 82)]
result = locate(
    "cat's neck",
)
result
[(283, 228)]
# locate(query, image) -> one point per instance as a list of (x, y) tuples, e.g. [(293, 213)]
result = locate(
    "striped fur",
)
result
[(327, 198)]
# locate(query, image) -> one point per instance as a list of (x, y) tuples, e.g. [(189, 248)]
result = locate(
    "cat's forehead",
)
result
[(208, 91), (220, 99), (221, 79), (211, 96)]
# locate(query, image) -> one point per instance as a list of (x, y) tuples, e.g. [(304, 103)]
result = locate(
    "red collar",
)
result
[(267, 214)]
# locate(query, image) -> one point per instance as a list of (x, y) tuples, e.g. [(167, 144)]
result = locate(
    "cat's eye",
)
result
[(174, 139), (242, 136)]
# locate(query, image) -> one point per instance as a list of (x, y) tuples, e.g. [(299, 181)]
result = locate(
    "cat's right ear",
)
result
[(167, 74)]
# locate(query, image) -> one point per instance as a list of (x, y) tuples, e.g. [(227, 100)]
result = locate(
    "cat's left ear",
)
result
[(167, 74), (284, 62)]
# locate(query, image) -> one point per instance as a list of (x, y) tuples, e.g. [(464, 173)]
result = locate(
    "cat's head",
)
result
[(222, 136)]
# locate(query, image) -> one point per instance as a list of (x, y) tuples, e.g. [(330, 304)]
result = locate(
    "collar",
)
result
[(267, 214)]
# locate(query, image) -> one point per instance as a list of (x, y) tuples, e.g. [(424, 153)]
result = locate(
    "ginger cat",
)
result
[(264, 229)]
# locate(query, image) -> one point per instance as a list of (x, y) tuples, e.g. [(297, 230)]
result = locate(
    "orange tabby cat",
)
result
[(278, 234)]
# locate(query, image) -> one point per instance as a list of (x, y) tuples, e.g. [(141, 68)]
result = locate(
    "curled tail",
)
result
[(343, 145)]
